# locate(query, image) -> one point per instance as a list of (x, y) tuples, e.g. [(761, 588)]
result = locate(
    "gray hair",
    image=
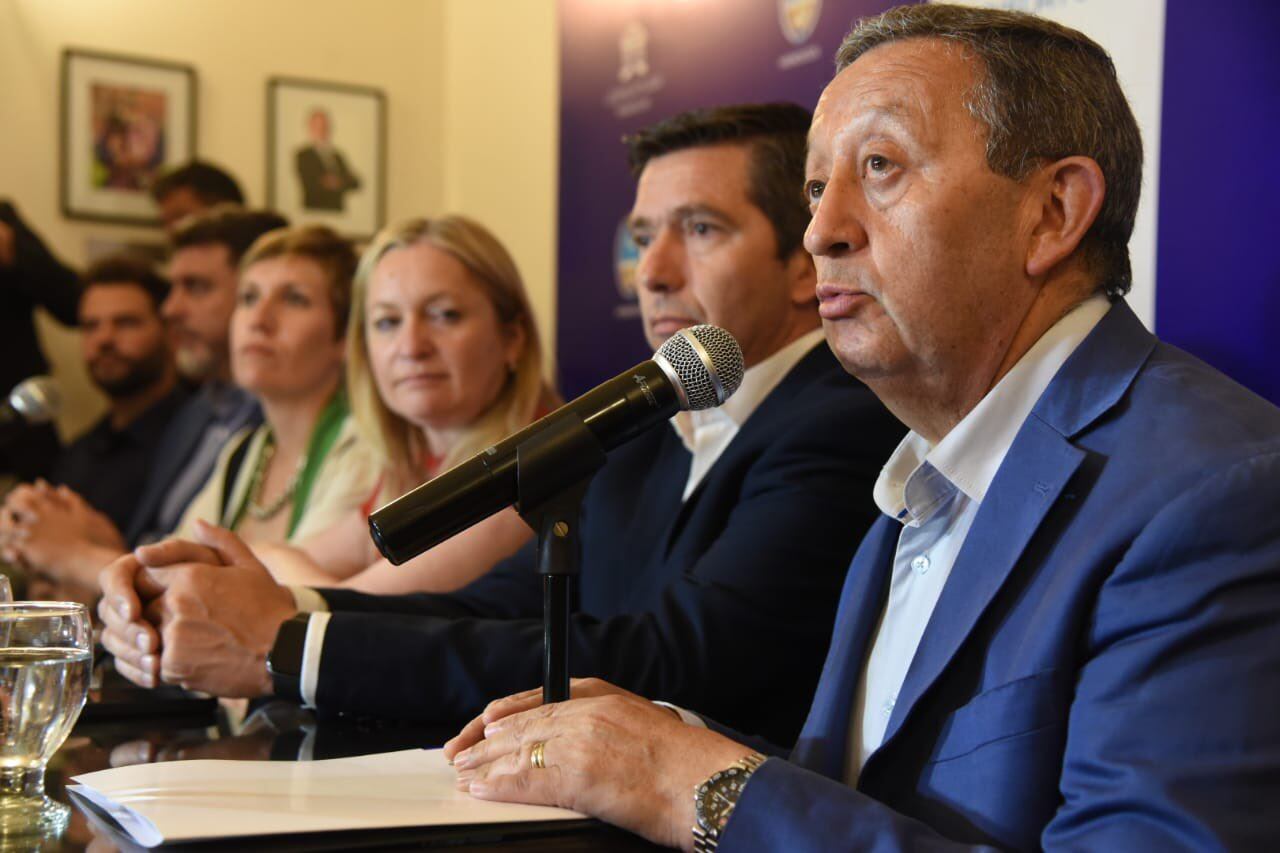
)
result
[(1045, 92)]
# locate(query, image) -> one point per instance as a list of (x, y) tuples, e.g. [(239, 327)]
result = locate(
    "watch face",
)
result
[(715, 798)]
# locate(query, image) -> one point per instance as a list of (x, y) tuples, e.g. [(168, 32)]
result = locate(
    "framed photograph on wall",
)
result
[(326, 154), (125, 119)]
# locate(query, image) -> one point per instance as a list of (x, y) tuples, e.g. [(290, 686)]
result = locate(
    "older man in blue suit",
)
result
[(1062, 632)]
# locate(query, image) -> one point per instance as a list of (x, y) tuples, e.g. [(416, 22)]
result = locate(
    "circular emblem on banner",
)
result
[(626, 256), (799, 18)]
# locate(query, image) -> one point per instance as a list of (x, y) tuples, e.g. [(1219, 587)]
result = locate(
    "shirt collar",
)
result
[(758, 383), (971, 453)]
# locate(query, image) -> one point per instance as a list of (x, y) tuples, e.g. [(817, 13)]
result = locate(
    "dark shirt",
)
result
[(108, 467)]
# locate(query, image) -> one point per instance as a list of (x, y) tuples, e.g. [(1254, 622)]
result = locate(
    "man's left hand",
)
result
[(616, 757), (216, 607)]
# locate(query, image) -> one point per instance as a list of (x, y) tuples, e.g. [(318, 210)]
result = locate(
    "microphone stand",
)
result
[(554, 467)]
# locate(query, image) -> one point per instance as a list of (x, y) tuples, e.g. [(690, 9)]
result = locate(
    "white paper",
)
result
[(191, 800)]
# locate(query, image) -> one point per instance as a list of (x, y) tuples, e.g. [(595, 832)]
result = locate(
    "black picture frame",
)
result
[(92, 185), (357, 122)]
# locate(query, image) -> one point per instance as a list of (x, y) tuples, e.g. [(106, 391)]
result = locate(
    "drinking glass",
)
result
[(45, 656)]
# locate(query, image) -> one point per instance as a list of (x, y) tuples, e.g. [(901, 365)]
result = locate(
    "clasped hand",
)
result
[(45, 528), (199, 614), (607, 753)]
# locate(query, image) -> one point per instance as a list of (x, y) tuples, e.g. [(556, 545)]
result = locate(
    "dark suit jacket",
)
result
[(1102, 670), (311, 169), (36, 279), (172, 457), (725, 601)]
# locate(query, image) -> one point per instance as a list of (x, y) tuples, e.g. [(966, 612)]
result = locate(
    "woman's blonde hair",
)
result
[(400, 444), (334, 254)]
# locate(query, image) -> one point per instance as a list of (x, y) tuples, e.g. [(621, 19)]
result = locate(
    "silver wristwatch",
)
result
[(714, 799)]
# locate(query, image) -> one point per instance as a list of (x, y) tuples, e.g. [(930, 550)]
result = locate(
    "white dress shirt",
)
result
[(708, 432), (935, 492), (705, 434)]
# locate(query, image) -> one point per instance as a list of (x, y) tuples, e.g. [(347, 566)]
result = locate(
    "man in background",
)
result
[(127, 354), (192, 188)]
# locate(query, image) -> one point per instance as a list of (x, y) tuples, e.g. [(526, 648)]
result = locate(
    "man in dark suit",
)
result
[(322, 170), (712, 552), (1062, 631), (192, 188)]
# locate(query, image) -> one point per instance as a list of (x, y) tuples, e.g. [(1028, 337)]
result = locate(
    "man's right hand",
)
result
[(200, 614)]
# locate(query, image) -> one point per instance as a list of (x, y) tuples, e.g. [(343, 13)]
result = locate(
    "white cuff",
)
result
[(307, 600), (687, 717), (311, 650), (307, 749)]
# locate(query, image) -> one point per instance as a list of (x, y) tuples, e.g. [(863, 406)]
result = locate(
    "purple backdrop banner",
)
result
[(626, 64), (1217, 268)]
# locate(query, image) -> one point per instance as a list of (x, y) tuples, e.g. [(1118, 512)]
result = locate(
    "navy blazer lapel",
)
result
[(823, 741), (181, 437), (665, 491), (1036, 469), (813, 364)]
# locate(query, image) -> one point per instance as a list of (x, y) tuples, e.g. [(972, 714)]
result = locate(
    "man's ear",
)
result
[(802, 278), (1072, 190)]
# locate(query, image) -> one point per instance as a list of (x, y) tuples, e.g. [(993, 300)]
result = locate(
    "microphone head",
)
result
[(704, 363), (36, 399)]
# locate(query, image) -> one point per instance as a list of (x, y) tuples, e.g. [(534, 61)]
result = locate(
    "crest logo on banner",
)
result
[(633, 52), (799, 18), (626, 257), (637, 82)]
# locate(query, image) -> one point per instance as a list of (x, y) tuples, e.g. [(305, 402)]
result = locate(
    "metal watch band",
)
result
[(705, 841)]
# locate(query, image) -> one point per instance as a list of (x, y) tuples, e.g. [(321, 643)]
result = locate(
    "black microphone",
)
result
[(32, 401), (696, 368)]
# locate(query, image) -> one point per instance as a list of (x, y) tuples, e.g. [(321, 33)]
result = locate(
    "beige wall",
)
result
[(471, 94), (501, 124)]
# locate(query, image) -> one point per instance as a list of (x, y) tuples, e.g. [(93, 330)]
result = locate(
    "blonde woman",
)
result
[(443, 360), (304, 468)]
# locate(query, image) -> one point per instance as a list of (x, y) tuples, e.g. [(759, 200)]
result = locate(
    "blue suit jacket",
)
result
[(724, 601), (172, 456), (1102, 670)]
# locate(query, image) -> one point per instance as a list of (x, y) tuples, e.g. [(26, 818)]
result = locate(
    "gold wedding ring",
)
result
[(536, 755)]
